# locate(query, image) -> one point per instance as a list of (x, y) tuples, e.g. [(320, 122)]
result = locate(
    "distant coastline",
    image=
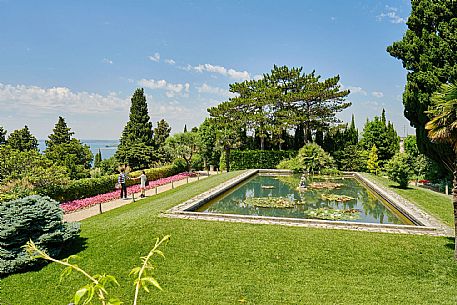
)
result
[(107, 147)]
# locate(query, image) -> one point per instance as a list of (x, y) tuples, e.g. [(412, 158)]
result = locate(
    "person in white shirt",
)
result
[(143, 181)]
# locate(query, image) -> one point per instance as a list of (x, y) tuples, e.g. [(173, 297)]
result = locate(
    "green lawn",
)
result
[(437, 204), (233, 263)]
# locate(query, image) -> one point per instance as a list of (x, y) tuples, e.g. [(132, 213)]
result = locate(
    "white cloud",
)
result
[(170, 89), (243, 75), (205, 88), (355, 90), (378, 94), (107, 61), (34, 100), (170, 61), (390, 13), (155, 57)]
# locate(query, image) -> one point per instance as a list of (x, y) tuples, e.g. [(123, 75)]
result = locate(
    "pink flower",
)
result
[(74, 205)]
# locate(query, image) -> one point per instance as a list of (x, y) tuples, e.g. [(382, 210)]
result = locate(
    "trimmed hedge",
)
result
[(37, 218), (88, 187), (245, 159)]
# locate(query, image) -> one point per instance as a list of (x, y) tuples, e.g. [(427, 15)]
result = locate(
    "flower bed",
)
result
[(71, 206)]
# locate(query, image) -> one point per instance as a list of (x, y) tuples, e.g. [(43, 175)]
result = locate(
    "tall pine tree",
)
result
[(136, 145), (64, 150), (61, 133), (22, 140)]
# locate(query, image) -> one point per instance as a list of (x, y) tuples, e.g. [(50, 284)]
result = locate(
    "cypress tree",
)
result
[(136, 145), (351, 134), (309, 136), (427, 51), (299, 138), (98, 159), (2, 135), (185, 128), (319, 137)]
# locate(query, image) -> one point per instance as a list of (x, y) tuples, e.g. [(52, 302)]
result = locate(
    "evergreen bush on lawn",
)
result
[(245, 159), (399, 169), (33, 218)]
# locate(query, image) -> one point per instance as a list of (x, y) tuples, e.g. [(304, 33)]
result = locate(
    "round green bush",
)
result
[(399, 169), (34, 217)]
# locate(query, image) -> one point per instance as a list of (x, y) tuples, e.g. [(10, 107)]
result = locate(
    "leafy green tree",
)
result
[(443, 128), (30, 168), (109, 166), (161, 133), (2, 135), (97, 159), (136, 146), (64, 150), (399, 169), (208, 136), (428, 53), (373, 160), (383, 136), (228, 120), (22, 140), (418, 162), (352, 158), (184, 145)]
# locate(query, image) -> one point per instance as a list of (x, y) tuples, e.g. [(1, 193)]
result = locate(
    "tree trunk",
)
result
[(262, 143), (454, 203), (227, 158)]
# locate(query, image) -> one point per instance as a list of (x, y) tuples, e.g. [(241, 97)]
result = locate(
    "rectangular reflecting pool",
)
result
[(327, 198)]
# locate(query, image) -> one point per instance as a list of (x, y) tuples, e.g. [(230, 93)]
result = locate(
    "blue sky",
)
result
[(83, 59)]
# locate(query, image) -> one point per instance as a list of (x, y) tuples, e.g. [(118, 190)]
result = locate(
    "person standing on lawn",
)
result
[(121, 179)]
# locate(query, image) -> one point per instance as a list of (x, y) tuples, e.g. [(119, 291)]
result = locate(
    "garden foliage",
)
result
[(83, 188), (34, 218), (399, 169), (311, 157), (244, 159), (428, 52)]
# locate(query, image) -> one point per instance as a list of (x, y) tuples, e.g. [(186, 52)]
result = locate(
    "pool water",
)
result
[(310, 203)]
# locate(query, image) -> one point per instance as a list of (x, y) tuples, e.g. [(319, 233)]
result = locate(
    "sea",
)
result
[(107, 147)]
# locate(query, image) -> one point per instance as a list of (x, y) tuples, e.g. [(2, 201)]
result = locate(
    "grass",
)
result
[(233, 263), (436, 204)]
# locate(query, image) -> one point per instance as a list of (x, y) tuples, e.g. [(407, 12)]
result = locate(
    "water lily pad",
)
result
[(335, 197), (272, 202), (333, 214), (325, 185)]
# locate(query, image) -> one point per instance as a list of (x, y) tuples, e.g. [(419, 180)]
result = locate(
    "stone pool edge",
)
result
[(428, 225)]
